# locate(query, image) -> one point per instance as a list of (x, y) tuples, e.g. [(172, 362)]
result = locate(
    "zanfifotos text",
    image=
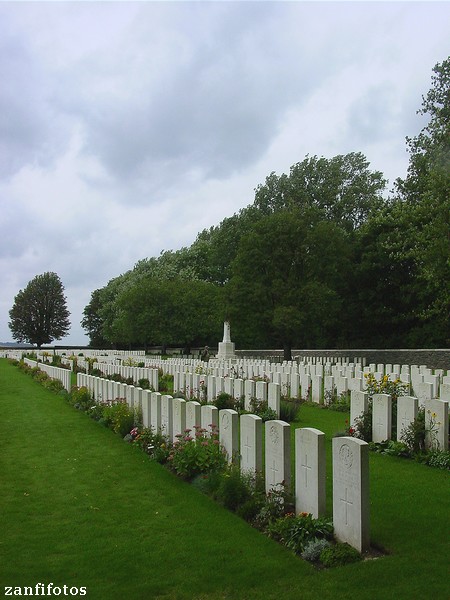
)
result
[(44, 590)]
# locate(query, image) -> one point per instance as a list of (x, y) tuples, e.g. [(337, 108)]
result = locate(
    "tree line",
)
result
[(321, 258)]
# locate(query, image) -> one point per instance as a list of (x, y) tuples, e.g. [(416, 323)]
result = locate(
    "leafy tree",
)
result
[(342, 188), (286, 278), (166, 312), (92, 321), (425, 193), (39, 314)]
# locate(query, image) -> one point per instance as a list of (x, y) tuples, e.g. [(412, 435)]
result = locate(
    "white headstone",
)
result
[(407, 408), (310, 471), (155, 413), (316, 389), (193, 416), (251, 443), (166, 415), (209, 417), (436, 424), (277, 454), (249, 392), (359, 403), (274, 397), (381, 417), (351, 503), (444, 391), (146, 408), (229, 432), (178, 417)]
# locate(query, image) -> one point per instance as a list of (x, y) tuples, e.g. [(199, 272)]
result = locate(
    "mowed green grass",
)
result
[(80, 507)]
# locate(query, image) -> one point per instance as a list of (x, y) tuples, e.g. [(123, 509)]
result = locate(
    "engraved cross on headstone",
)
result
[(274, 470), (347, 503), (306, 468), (247, 446)]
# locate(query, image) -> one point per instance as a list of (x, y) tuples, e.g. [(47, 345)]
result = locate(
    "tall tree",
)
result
[(92, 321), (286, 279), (166, 312), (39, 314), (426, 193), (342, 188)]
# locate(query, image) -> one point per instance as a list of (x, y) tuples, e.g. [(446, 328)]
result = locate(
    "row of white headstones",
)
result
[(242, 439), (207, 387)]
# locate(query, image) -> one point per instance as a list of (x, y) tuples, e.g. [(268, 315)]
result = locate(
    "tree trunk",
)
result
[(287, 351)]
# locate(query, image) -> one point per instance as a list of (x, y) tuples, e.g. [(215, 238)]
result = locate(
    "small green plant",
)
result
[(261, 409), (385, 385), (362, 427), (390, 447), (414, 434), (288, 410), (81, 398), (277, 503), (54, 385), (118, 416), (295, 531), (439, 459), (197, 454), (338, 403), (144, 383), (165, 381), (224, 400), (339, 554), (153, 443), (233, 490), (314, 548)]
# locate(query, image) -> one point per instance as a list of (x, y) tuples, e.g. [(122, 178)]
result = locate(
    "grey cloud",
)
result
[(209, 97), (30, 131)]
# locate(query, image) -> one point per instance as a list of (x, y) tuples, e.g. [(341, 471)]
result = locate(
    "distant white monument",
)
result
[(226, 346)]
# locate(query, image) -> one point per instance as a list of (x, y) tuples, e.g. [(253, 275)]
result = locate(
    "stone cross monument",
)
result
[(226, 346)]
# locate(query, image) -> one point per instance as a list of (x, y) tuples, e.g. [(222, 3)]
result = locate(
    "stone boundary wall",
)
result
[(433, 359)]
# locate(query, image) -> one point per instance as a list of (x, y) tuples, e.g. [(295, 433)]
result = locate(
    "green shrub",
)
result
[(118, 416), (313, 549), (295, 531), (38, 375), (81, 398), (288, 410), (153, 443), (439, 459), (224, 400), (54, 385), (116, 377), (362, 428), (191, 456), (414, 435), (144, 383), (233, 490), (390, 447), (277, 502), (208, 483), (337, 403), (261, 409), (165, 381), (339, 554)]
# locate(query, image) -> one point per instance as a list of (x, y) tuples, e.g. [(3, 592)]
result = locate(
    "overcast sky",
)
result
[(128, 127)]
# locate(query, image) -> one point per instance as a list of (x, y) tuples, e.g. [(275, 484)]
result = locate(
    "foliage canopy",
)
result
[(39, 314)]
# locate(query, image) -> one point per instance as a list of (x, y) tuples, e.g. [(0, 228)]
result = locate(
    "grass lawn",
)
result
[(79, 507)]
